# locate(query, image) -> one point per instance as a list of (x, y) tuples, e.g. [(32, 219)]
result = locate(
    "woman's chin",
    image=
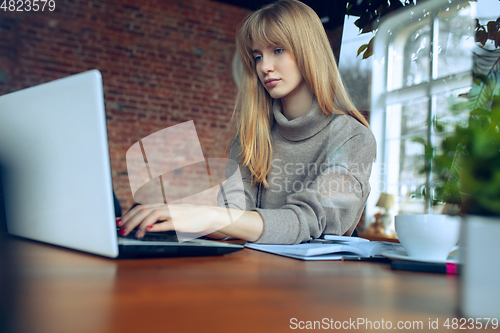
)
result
[(276, 94)]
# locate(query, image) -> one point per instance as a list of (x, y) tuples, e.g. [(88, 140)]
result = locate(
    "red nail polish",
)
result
[(122, 231), (118, 222), (150, 227)]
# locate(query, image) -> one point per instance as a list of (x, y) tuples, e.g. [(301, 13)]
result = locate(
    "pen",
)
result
[(358, 258), (428, 267)]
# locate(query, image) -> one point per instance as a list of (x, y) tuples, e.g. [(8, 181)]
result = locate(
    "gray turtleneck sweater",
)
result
[(319, 178)]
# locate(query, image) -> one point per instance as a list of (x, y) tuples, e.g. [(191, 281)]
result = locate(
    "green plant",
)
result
[(468, 168), (370, 13)]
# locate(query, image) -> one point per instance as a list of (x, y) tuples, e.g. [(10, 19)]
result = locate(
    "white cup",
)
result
[(429, 237)]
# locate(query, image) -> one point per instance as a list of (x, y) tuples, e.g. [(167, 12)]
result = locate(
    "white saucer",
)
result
[(401, 255)]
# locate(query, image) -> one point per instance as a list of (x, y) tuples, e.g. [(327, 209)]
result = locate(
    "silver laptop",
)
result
[(56, 177)]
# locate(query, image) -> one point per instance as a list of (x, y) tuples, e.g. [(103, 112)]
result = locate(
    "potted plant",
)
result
[(468, 174)]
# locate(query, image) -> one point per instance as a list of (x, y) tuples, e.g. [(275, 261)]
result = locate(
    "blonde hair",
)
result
[(297, 28)]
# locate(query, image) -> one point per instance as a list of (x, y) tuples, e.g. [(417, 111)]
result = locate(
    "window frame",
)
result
[(382, 96)]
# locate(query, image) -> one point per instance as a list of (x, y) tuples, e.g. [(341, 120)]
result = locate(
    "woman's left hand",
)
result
[(160, 217)]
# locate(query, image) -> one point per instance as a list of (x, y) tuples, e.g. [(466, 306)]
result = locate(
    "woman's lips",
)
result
[(272, 83)]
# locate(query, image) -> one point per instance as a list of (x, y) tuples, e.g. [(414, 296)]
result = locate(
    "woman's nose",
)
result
[(267, 66)]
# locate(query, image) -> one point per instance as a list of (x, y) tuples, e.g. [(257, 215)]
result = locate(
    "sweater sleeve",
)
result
[(331, 203), (239, 193)]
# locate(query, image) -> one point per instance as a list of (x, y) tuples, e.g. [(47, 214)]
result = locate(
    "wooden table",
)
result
[(64, 291)]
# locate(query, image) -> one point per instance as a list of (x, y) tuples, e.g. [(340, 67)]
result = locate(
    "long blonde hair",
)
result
[(297, 28)]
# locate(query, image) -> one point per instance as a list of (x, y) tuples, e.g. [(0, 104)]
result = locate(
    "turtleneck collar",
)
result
[(303, 127)]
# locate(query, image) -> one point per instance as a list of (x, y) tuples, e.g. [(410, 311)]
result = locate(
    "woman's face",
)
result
[(277, 70)]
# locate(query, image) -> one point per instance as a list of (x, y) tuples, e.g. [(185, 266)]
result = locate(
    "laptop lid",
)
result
[(54, 164)]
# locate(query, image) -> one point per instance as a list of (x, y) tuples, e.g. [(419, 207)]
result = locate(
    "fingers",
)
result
[(158, 217), (143, 216), (163, 226), (148, 223)]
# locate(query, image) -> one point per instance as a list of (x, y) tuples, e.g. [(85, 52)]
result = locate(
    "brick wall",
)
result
[(163, 62)]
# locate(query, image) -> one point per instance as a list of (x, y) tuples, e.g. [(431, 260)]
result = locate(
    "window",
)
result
[(422, 63)]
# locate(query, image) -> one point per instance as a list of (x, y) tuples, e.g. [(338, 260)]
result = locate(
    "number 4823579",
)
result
[(27, 5)]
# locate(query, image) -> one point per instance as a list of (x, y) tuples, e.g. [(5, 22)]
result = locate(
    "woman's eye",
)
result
[(278, 51), (258, 58)]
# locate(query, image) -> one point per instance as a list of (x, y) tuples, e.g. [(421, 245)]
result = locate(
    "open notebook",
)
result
[(332, 247)]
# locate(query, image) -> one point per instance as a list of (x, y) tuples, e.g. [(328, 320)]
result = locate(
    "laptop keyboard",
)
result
[(164, 236)]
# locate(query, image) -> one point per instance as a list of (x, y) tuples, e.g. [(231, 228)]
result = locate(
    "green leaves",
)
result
[(370, 13), (468, 169), (490, 31), (469, 166), (361, 49), (481, 36), (366, 49), (470, 162), (480, 181), (480, 78)]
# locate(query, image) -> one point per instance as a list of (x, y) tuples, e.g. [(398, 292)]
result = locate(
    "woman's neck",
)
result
[(298, 102)]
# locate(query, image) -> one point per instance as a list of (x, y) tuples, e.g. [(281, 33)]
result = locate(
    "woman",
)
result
[(304, 151)]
